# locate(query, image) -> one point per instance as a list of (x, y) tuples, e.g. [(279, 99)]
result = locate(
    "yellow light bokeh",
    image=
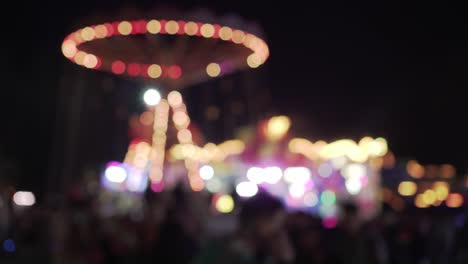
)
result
[(191, 28), (407, 188), (87, 34), (153, 26), (225, 33), (213, 69), (238, 36), (441, 189), (174, 98), (172, 27), (125, 28), (207, 30), (100, 31), (180, 118), (277, 127), (415, 169), (419, 201), (253, 60), (154, 71), (69, 48), (429, 197), (90, 61), (184, 136), (454, 200), (79, 57), (225, 204)]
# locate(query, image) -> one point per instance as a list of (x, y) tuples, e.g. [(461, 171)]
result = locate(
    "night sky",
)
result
[(339, 70)]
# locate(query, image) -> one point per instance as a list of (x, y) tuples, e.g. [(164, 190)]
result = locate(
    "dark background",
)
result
[(338, 69)]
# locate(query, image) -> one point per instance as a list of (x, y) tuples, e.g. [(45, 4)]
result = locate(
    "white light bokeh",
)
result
[(115, 174), (297, 175), (272, 175), (354, 170), (246, 189), (152, 97), (296, 190), (24, 198), (206, 172), (353, 186), (255, 175)]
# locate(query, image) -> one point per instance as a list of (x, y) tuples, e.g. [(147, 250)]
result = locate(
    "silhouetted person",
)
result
[(261, 236)]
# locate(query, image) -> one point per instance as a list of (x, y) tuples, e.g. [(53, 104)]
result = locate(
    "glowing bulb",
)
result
[(296, 190), (277, 127), (272, 175), (298, 175), (407, 188), (24, 198), (152, 97), (419, 201), (172, 27), (238, 36), (124, 28), (90, 61), (184, 136), (454, 200), (79, 57), (206, 172), (207, 30), (328, 197), (101, 31), (213, 69), (415, 169), (253, 60), (255, 175), (441, 189), (354, 170), (87, 34), (246, 189), (310, 199), (429, 197), (69, 48), (353, 185), (118, 67), (225, 33), (174, 98), (191, 28), (325, 170), (225, 203), (153, 26), (154, 71), (115, 174), (180, 118)]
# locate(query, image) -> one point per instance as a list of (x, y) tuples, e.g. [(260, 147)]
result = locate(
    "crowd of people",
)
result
[(182, 227)]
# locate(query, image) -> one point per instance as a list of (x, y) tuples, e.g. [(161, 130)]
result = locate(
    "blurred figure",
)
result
[(346, 243), (261, 237)]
